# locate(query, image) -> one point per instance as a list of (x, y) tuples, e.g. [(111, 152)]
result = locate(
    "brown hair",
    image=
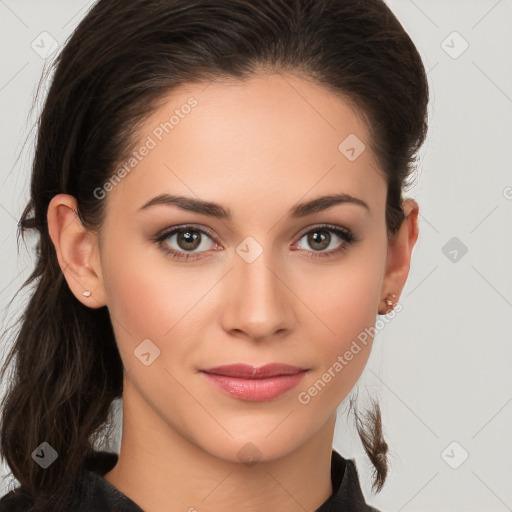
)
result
[(114, 71)]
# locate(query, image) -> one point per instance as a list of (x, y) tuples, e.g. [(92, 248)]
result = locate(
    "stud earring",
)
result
[(390, 303), (87, 293)]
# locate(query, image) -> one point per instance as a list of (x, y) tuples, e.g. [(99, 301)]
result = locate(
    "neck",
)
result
[(161, 470)]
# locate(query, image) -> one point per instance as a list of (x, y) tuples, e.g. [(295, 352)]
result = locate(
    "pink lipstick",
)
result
[(255, 384)]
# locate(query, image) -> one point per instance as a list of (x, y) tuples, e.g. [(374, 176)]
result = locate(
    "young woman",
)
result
[(218, 194)]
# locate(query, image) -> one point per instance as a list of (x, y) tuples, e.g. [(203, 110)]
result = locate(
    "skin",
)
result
[(257, 147)]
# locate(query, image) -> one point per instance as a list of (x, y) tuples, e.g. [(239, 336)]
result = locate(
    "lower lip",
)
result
[(255, 390)]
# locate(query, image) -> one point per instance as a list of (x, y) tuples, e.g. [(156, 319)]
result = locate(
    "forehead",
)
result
[(267, 139)]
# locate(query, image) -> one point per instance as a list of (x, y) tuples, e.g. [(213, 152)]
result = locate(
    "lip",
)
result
[(247, 371), (254, 384)]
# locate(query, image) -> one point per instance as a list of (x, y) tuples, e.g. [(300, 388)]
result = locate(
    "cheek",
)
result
[(343, 306), (343, 298), (150, 297), (141, 301)]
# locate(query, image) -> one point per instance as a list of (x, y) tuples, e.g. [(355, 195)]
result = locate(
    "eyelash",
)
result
[(344, 234)]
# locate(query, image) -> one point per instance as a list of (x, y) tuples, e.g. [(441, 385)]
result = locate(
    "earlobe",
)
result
[(77, 251)]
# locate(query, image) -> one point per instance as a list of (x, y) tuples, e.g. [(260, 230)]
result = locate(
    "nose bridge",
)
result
[(258, 303)]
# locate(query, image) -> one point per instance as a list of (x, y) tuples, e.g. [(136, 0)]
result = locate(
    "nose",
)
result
[(258, 303)]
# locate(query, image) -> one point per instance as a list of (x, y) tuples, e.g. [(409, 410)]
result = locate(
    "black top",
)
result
[(101, 496)]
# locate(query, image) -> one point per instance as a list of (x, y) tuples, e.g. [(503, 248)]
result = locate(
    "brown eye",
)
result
[(323, 243), (188, 240), (319, 239), (185, 242)]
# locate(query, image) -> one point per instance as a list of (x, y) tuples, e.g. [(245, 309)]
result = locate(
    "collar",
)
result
[(102, 495)]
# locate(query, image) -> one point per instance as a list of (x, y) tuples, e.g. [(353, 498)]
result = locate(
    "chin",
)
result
[(256, 446)]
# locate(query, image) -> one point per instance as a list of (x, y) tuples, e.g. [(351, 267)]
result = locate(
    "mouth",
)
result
[(254, 384), (247, 371)]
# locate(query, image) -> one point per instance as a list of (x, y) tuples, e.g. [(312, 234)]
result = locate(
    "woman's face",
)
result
[(262, 286)]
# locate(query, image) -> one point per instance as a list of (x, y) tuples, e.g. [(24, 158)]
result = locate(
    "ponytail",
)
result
[(68, 372)]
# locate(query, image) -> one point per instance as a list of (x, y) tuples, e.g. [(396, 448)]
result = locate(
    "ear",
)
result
[(399, 254), (77, 251)]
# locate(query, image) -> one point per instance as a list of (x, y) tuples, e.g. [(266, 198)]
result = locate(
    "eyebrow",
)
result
[(216, 210)]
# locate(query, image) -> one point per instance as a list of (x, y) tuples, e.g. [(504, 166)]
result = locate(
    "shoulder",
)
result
[(89, 493), (348, 494), (15, 500), (353, 487)]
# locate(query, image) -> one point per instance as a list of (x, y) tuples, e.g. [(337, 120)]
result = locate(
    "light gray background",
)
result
[(442, 367)]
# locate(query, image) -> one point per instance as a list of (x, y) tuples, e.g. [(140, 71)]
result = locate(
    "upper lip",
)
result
[(248, 371)]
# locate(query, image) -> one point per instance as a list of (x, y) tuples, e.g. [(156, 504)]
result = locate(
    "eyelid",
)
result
[(348, 238), (326, 226), (167, 232)]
